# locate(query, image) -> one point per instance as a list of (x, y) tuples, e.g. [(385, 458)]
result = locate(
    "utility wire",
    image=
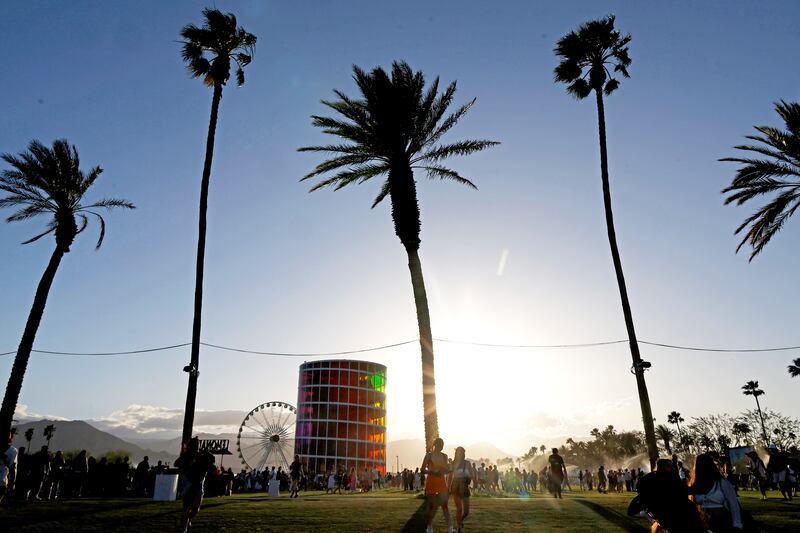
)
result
[(403, 343)]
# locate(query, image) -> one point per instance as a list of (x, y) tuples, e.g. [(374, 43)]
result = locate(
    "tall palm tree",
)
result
[(47, 181), (751, 389), (587, 58), (675, 418), (394, 129), (48, 432), (777, 173), (209, 52), (794, 368), (28, 438), (666, 435)]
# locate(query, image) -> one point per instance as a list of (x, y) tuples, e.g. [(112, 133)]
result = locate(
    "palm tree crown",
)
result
[(393, 128), (751, 389), (778, 173), (590, 56), (794, 368), (49, 181), (223, 41)]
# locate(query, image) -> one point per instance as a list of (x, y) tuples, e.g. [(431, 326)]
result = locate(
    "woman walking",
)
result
[(435, 468), (459, 487), (715, 496)]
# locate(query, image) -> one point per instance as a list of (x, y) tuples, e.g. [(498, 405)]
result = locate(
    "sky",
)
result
[(523, 260)]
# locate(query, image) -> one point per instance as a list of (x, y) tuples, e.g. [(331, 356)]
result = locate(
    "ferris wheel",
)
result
[(266, 436)]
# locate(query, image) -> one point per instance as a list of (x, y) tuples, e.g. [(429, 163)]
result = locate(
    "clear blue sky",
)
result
[(292, 271)]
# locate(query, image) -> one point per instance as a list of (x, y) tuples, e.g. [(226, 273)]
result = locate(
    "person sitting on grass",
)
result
[(434, 465), (194, 464)]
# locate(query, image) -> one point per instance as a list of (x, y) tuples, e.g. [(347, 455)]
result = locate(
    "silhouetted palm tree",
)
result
[(209, 52), (794, 368), (28, 438), (777, 173), (48, 431), (588, 57), (751, 389), (393, 130), (47, 181), (675, 418), (666, 436)]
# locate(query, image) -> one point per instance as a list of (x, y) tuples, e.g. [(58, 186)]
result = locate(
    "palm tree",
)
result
[(542, 448), (394, 130), (209, 52), (675, 418), (666, 435), (47, 181), (794, 368), (28, 438), (751, 389), (49, 431), (778, 173), (586, 57)]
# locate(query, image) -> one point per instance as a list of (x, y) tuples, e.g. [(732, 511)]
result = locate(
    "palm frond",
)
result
[(778, 173), (385, 189), (443, 173), (437, 153), (48, 181), (589, 56), (360, 174), (794, 368), (209, 50)]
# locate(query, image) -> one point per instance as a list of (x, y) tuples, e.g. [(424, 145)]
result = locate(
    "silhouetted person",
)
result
[(295, 471), (194, 465), (715, 496), (557, 471), (141, 476), (8, 467), (666, 498), (434, 465)]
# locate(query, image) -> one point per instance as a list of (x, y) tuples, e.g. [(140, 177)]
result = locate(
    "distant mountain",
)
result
[(174, 445), (410, 452), (78, 435)]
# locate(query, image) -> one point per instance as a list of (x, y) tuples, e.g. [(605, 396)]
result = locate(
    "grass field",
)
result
[(382, 511)]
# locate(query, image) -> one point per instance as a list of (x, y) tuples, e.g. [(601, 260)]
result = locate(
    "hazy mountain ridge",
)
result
[(80, 435)]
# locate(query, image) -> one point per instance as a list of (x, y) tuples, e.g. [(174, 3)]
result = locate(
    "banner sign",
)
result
[(215, 446)]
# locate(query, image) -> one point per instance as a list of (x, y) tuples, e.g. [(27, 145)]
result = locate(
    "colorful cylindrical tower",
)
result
[(341, 416)]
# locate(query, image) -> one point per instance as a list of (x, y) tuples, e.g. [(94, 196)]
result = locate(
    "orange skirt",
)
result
[(435, 485)]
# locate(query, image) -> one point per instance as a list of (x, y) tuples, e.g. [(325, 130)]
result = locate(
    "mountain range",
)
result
[(79, 435)]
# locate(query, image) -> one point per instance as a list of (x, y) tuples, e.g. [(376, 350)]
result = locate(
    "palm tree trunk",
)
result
[(194, 366), (26, 343), (763, 426), (644, 398), (426, 345)]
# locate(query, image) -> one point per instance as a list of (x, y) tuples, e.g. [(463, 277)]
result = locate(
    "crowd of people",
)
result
[(44, 475)]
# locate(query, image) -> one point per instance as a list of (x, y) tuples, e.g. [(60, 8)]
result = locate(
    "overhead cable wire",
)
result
[(309, 354), (720, 350), (490, 345), (403, 343)]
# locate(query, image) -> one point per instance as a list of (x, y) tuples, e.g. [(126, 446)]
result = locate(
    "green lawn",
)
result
[(383, 511)]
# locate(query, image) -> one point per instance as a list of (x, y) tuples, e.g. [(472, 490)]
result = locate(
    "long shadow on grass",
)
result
[(416, 523), (74, 509), (614, 517)]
